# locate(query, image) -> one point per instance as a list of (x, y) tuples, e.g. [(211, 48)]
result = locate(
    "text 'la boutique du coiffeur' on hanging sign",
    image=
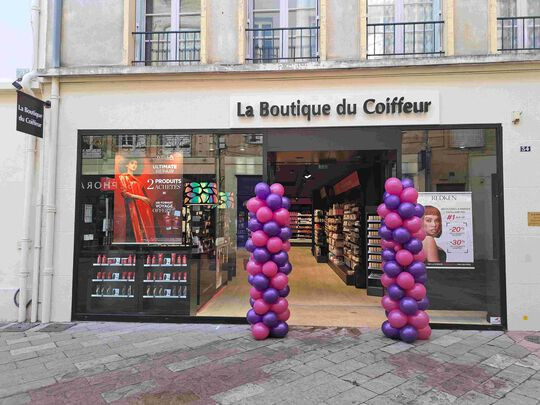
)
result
[(331, 109)]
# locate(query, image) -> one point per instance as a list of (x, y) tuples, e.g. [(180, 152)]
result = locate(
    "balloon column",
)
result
[(403, 258), (269, 265)]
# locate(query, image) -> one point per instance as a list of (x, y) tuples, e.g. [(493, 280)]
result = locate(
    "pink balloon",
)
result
[(413, 224), (284, 316), (254, 204), (261, 307), (419, 320), (278, 189), (404, 257), (282, 217), (397, 247), (418, 291), (409, 195), (420, 256), (383, 210), (397, 319), (253, 267), (260, 331), (254, 293), (269, 269), (393, 186), (279, 281), (389, 304), (264, 214), (280, 306), (259, 238), (405, 280), (393, 220), (274, 244), (387, 281), (286, 246), (420, 234), (424, 333), (387, 244)]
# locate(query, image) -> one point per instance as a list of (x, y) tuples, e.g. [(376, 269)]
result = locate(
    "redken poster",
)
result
[(148, 199), (448, 225)]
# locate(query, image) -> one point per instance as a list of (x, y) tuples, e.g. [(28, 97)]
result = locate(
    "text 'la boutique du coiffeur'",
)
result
[(395, 105)]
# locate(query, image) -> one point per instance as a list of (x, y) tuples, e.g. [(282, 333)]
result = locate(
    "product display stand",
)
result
[(320, 245), (301, 227), (351, 229), (373, 253)]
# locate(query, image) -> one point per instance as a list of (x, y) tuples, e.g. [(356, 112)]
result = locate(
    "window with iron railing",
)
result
[(404, 28), (168, 32), (518, 25), (282, 31)]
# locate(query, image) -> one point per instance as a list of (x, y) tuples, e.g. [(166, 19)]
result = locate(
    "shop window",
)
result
[(404, 27), (282, 30), (168, 32), (518, 23), (158, 220), (458, 178)]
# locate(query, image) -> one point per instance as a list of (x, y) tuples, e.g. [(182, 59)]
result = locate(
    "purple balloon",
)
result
[(251, 302), (388, 255), (385, 233), (251, 215), (280, 258), (250, 279), (385, 194), (392, 201), (285, 291), (285, 233), (401, 235), (262, 190), (271, 295), (421, 279), (392, 268), (413, 245), (406, 182), (395, 292), (254, 225), (423, 304), (280, 330), (260, 282), (285, 203), (252, 317), (408, 305), (271, 228), (286, 268), (273, 201), (261, 255), (389, 331), (419, 210), (250, 247), (408, 334), (270, 319), (406, 210), (417, 269)]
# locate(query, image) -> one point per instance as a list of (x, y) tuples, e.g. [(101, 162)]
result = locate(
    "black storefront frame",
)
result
[(76, 316)]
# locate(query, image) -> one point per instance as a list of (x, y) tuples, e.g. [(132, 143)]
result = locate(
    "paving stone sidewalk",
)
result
[(134, 363)]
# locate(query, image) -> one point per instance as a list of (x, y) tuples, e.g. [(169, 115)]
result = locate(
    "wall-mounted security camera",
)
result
[(17, 85)]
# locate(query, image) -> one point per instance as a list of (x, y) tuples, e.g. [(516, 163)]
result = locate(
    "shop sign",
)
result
[(330, 109), (29, 114), (348, 183), (448, 225)]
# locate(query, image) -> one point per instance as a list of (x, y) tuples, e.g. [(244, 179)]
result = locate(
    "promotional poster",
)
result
[(448, 225), (148, 199)]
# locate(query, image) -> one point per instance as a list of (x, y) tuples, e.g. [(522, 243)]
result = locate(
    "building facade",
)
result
[(165, 114)]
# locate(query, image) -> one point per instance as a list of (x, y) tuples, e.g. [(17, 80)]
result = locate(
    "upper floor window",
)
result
[(404, 27), (168, 31), (282, 30), (518, 24)]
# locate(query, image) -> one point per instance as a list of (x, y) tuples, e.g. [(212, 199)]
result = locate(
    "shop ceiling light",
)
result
[(307, 174)]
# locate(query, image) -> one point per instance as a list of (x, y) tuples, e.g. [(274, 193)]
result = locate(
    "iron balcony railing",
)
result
[(167, 47), (405, 38), (271, 45), (518, 33)]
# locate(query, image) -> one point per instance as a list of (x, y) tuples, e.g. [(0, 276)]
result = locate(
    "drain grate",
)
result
[(533, 339), (57, 327), (19, 327)]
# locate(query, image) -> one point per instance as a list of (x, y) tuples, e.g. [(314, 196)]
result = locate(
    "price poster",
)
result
[(449, 228)]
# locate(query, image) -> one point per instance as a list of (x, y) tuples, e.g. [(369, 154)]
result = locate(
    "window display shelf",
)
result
[(112, 296), (374, 260), (155, 297), (166, 265), (112, 265), (165, 281), (123, 280), (375, 276)]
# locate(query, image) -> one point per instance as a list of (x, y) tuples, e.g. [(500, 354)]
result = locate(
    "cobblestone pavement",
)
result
[(133, 363)]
